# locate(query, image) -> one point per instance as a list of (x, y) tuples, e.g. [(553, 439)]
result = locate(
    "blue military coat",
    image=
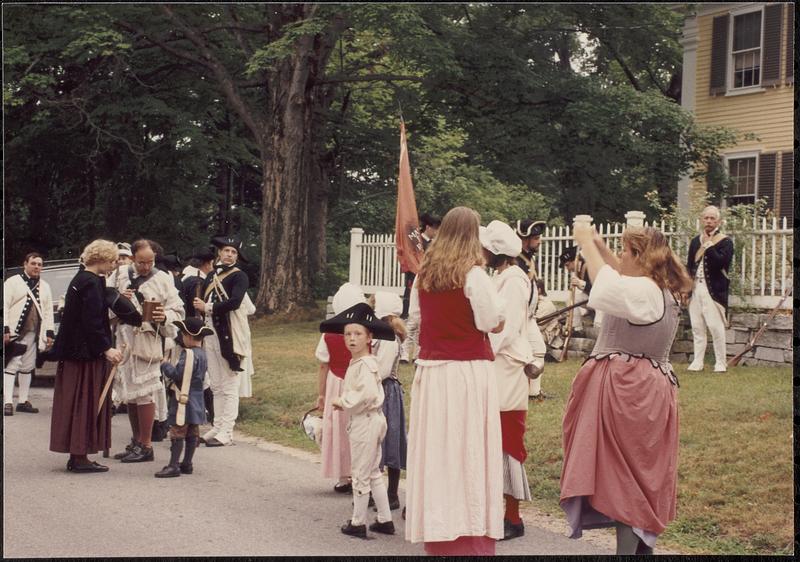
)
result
[(195, 408)]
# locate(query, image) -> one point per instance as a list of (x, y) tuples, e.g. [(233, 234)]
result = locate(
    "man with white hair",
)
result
[(710, 256)]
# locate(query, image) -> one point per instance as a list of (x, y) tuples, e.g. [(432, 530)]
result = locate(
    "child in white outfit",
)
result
[(362, 398)]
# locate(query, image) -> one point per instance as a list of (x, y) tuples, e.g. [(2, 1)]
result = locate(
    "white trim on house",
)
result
[(737, 155), (729, 66)]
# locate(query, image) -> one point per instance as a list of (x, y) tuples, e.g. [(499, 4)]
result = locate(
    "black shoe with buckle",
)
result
[(343, 488), (140, 454), (8, 410), (512, 530), (27, 407), (387, 527), (359, 531), (169, 471), (128, 450)]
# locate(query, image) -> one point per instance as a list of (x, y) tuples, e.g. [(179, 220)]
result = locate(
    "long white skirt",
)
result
[(454, 485)]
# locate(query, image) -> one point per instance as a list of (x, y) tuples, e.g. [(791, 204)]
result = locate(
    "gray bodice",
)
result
[(652, 341)]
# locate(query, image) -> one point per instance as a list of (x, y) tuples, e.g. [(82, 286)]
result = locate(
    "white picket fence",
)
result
[(762, 266)]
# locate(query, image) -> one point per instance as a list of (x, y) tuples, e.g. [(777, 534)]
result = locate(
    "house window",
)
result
[(746, 50), (742, 174)]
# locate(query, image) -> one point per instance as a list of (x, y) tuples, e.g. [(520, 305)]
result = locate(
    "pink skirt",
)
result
[(335, 444), (620, 446)]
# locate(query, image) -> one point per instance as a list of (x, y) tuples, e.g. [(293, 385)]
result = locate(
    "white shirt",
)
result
[(637, 299), (514, 287)]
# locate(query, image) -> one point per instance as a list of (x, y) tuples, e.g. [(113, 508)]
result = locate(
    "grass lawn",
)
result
[(735, 486)]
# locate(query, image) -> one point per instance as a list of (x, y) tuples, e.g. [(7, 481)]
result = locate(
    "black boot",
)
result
[(191, 445), (391, 491), (172, 470)]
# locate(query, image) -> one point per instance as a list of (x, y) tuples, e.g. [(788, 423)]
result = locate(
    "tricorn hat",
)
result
[(232, 241), (170, 262), (567, 255), (194, 327), (362, 314), (122, 307), (204, 254), (526, 228)]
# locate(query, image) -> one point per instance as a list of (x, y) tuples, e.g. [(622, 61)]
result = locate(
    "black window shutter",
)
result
[(787, 187), (771, 73), (719, 54), (789, 57), (766, 179)]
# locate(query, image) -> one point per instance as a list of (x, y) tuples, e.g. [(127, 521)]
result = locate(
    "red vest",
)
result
[(447, 328), (340, 355)]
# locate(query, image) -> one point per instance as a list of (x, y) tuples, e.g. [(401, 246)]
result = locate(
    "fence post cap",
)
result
[(634, 218), (356, 229)]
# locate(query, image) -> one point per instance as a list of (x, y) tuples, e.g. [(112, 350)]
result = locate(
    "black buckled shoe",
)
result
[(343, 488), (27, 407), (387, 527), (359, 531), (512, 530), (186, 468), (169, 471), (128, 450), (91, 467), (140, 454), (8, 410)]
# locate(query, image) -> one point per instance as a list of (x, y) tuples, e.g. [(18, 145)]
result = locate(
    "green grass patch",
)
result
[(735, 484)]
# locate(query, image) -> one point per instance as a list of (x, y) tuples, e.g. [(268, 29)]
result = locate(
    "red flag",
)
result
[(406, 231)]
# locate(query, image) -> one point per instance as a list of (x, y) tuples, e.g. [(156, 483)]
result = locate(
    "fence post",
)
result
[(356, 238), (634, 218)]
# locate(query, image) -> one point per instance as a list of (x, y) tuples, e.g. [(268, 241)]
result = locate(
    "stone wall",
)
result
[(773, 348)]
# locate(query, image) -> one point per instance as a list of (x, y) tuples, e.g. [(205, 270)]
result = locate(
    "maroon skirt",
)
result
[(75, 427)]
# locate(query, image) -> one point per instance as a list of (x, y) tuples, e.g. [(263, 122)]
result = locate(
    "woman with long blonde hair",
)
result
[(620, 427), (454, 486)]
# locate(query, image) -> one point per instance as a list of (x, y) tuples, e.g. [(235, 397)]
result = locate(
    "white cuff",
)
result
[(209, 307)]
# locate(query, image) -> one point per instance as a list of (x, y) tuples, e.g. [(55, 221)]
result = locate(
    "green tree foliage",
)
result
[(279, 122)]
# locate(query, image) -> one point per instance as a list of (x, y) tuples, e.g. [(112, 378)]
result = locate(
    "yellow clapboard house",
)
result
[(738, 71)]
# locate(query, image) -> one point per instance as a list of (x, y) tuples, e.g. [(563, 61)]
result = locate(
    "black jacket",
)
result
[(84, 333), (235, 286), (716, 263)]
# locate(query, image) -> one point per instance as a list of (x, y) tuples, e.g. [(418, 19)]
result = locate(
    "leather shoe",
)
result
[(394, 503), (169, 471), (359, 531), (512, 530), (128, 450), (186, 468), (8, 410), (91, 467), (214, 442), (343, 488), (27, 407), (387, 527), (140, 454)]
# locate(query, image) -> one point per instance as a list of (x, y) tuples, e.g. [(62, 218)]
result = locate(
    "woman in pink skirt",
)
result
[(334, 358), (454, 485), (620, 428)]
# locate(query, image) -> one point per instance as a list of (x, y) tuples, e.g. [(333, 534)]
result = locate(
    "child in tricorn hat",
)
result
[(362, 398), (186, 407)]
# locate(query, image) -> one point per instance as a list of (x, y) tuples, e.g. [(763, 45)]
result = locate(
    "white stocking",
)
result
[(381, 497), (24, 387), (360, 502), (8, 387)]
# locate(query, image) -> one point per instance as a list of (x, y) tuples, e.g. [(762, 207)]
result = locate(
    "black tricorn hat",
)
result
[(232, 241), (171, 262), (529, 227), (362, 314), (204, 254), (122, 307), (567, 255), (194, 327)]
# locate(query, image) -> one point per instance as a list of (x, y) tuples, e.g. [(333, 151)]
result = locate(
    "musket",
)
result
[(545, 319), (571, 310), (734, 361)]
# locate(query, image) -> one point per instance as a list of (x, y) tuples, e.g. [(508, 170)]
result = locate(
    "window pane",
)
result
[(742, 172), (747, 31)]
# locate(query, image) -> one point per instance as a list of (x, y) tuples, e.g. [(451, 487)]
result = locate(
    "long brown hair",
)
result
[(651, 251), (457, 249)]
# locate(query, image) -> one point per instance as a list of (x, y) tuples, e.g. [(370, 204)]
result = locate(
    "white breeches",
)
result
[(22, 365), (704, 313), (366, 432), (225, 386)]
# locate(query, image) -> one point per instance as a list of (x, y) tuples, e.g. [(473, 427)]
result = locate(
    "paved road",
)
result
[(249, 499)]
